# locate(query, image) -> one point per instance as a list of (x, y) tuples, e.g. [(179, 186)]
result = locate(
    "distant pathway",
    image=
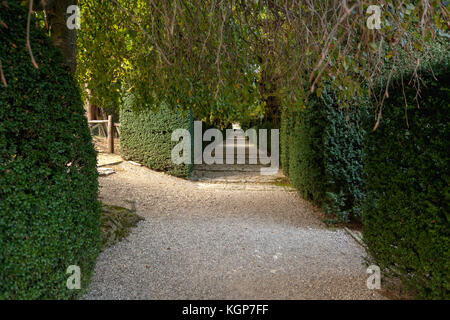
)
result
[(238, 176), (223, 238)]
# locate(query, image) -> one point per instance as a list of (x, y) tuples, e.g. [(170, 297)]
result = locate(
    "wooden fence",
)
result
[(110, 125)]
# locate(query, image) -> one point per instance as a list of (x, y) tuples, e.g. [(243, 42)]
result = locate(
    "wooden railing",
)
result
[(110, 125)]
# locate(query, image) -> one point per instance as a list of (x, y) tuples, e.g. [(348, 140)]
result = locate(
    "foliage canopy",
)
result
[(214, 56)]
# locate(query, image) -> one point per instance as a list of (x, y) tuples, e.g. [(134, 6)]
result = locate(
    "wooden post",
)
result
[(110, 134)]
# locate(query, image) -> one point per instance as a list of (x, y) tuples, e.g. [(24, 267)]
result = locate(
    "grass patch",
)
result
[(282, 182), (117, 223)]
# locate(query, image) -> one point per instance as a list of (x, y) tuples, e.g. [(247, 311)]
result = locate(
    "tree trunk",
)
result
[(91, 109), (62, 36)]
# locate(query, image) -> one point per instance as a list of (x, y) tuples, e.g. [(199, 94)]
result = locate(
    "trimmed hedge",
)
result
[(145, 136), (406, 212), (321, 153), (285, 132), (397, 177), (49, 214), (306, 165)]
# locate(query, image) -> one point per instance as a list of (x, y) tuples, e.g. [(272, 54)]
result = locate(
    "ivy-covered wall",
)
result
[(145, 136)]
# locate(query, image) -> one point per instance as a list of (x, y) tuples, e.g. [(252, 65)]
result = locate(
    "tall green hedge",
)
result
[(145, 136), (49, 214), (406, 212), (396, 178), (306, 163), (321, 152), (285, 131)]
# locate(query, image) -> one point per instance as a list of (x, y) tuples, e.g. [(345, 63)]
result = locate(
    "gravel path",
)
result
[(213, 242)]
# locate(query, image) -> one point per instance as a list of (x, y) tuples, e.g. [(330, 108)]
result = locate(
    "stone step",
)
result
[(246, 186), (239, 176), (229, 167)]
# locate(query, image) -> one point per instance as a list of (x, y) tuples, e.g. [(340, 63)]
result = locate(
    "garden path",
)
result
[(223, 237)]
